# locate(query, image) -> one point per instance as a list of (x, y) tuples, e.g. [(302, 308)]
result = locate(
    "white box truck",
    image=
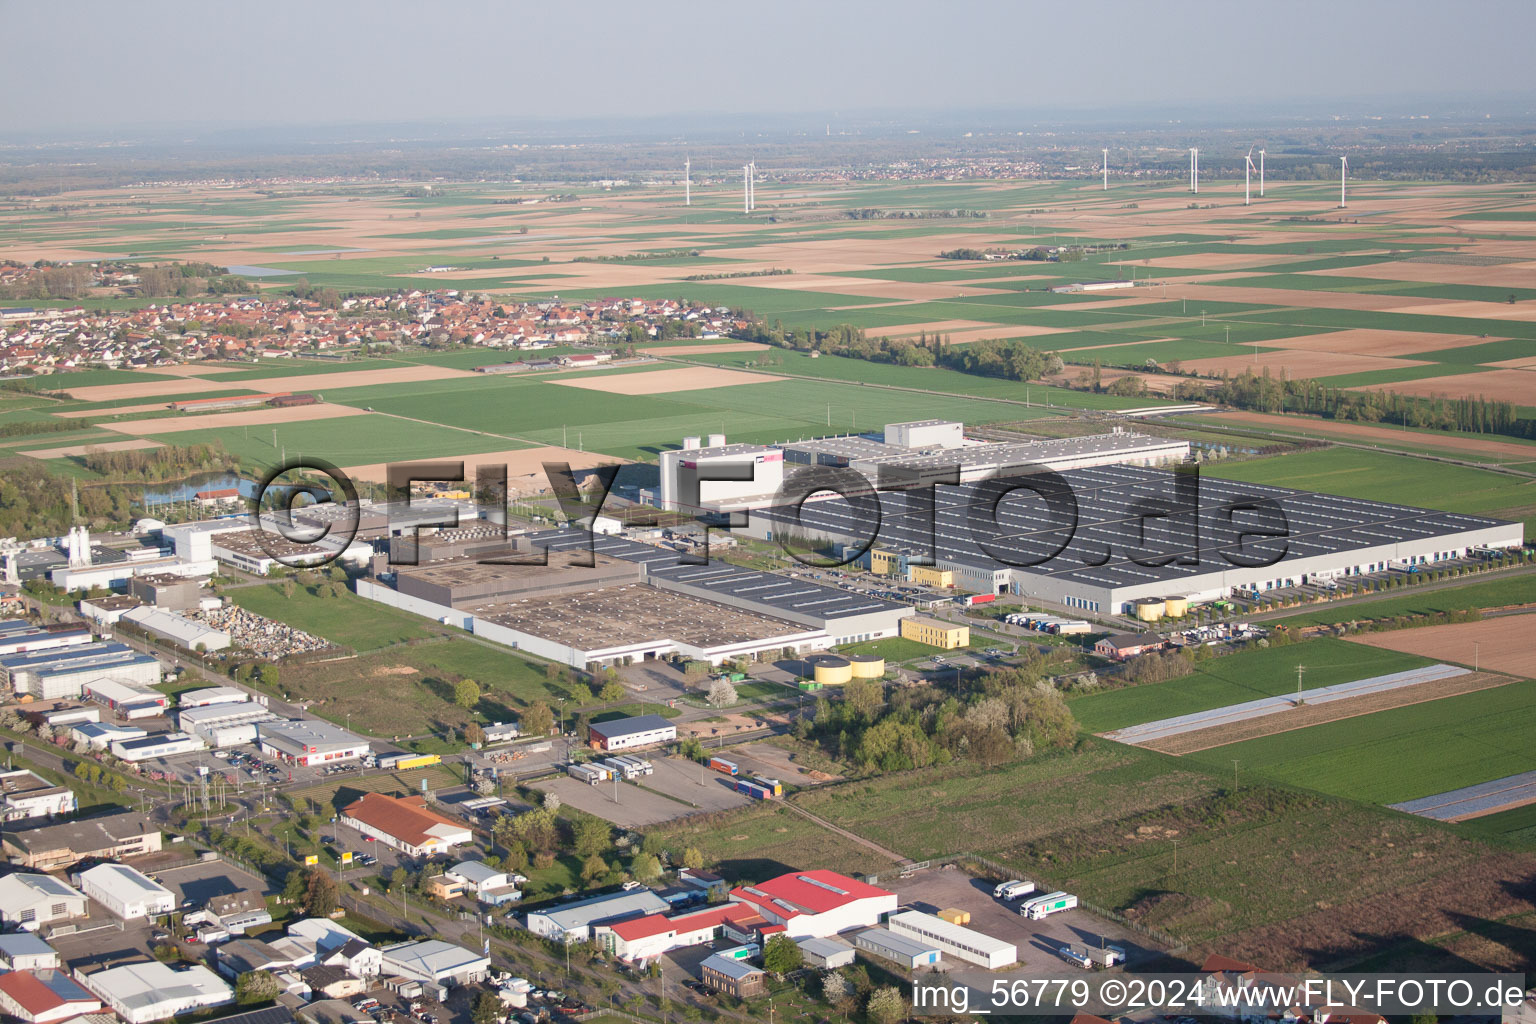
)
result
[(1012, 890), (1050, 903)]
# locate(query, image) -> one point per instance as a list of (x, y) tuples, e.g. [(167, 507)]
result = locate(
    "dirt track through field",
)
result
[(1317, 714)]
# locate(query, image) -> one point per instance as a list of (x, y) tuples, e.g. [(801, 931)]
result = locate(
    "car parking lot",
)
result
[(937, 889), (200, 881)]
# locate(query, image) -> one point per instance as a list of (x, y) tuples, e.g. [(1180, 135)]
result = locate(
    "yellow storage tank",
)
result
[(831, 669), (953, 916), (866, 666), (1150, 609), (1176, 607)]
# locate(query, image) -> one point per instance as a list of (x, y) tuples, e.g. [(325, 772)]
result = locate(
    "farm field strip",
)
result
[(1148, 731), (1475, 801), (1402, 753)]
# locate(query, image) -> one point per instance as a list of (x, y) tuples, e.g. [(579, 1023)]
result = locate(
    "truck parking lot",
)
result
[(677, 787), (938, 889)]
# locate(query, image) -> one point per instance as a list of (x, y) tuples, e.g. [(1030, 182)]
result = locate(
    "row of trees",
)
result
[(1010, 360), (1263, 393)]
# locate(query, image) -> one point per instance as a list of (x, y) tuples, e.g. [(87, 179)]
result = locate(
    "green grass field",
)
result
[(765, 840), (407, 690), (1485, 594), (1401, 753), (1381, 476), (628, 426), (1517, 826), (893, 649), (1098, 822), (1244, 676), (348, 620), (346, 441)]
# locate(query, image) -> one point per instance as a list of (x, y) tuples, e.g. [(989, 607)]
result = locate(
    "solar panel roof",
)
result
[(1120, 526)]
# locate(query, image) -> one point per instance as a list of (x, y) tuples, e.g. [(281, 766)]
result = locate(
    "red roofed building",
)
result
[(406, 824), (817, 903), (641, 938), (40, 997), (1216, 962)]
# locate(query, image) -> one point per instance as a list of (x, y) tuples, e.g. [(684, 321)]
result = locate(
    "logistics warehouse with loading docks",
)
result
[(1122, 534), (1128, 530)]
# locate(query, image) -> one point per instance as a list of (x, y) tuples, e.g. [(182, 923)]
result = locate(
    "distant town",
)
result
[(51, 340)]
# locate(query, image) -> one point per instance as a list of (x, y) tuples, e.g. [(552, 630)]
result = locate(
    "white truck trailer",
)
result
[(1012, 890), (1045, 906)]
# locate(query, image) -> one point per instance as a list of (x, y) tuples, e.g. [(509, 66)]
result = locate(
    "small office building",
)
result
[(906, 951)]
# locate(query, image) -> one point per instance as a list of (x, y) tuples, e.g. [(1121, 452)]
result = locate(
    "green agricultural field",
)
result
[(64, 381), (346, 441), (764, 840), (1381, 476), (1517, 826), (929, 379), (1495, 593), (348, 620), (639, 426), (1401, 753), (1235, 678)]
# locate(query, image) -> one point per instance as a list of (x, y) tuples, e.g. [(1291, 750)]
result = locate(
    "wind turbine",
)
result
[(1191, 168), (1247, 175), (1106, 170), (1343, 174), (687, 182), (746, 193), (1261, 174), (1197, 170)]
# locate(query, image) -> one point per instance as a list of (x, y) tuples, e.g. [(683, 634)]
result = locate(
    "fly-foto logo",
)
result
[(1156, 527)]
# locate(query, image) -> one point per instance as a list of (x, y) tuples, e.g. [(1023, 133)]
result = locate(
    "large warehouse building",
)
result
[(634, 602), (1131, 533), (924, 451), (817, 903)]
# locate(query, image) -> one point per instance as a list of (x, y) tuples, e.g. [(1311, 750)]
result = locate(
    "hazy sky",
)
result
[(90, 65)]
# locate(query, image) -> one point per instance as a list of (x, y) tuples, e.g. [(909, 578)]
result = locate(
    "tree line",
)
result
[(1008, 359), (1263, 393)]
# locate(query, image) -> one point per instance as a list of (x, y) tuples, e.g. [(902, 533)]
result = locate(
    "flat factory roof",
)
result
[(776, 594), (1110, 504), (632, 614)]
